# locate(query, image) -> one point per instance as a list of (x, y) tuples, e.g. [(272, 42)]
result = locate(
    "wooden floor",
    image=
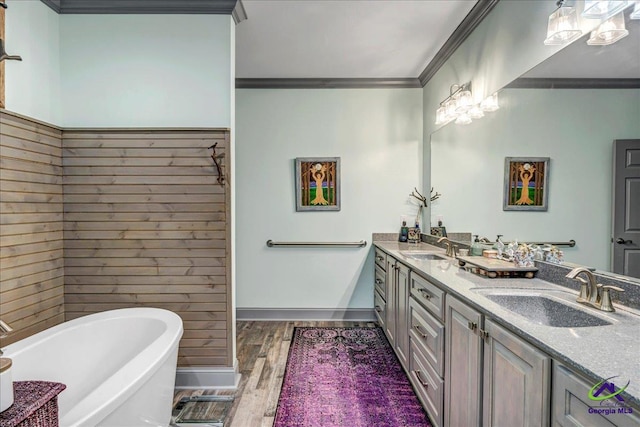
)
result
[(262, 350)]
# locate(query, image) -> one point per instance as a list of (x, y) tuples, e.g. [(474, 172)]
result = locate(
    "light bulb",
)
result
[(464, 101)]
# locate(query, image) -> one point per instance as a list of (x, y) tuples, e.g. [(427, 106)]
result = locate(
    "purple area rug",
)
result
[(345, 377)]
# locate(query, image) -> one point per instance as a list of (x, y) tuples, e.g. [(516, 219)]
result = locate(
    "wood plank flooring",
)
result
[(262, 350)]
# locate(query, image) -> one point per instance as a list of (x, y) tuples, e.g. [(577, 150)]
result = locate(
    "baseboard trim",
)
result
[(322, 314), (208, 378)]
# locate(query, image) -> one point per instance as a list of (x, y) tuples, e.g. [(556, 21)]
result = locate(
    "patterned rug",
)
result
[(345, 377)]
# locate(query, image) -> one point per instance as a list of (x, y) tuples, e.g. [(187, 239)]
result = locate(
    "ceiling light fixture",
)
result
[(563, 25), (460, 106), (609, 31), (599, 9)]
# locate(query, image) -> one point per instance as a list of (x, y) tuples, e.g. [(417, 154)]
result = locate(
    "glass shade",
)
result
[(450, 110), (463, 119), (636, 11), (563, 27), (490, 103), (597, 9), (441, 116), (475, 112), (464, 101), (609, 31)]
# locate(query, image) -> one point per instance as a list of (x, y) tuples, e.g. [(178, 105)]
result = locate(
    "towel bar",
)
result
[(360, 244)]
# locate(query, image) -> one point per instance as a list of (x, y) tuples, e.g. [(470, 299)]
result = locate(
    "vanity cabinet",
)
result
[(570, 404), (510, 388), (397, 300)]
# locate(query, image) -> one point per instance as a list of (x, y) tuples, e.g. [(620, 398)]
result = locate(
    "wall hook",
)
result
[(3, 53), (215, 161)]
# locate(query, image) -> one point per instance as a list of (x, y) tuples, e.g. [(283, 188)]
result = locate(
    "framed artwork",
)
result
[(414, 235), (317, 184), (526, 183)]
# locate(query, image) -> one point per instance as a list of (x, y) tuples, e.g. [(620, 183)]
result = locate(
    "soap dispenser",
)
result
[(476, 247), (499, 246), (404, 232)]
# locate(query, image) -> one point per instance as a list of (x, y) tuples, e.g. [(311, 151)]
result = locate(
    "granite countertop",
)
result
[(599, 352)]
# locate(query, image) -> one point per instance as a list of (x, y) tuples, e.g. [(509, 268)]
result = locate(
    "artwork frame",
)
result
[(532, 172), (439, 231), (328, 175)]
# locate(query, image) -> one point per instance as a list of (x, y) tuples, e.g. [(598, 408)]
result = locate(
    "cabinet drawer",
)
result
[(380, 258), (379, 307), (570, 404), (428, 385), (428, 335), (428, 294), (380, 279)]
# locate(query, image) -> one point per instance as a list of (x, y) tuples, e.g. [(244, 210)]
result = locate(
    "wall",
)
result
[(146, 225), (146, 70), (33, 84), (507, 43), (31, 240), (576, 129), (376, 133)]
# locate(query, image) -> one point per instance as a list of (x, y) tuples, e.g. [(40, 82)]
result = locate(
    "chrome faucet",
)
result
[(590, 290), (4, 331), (451, 248)]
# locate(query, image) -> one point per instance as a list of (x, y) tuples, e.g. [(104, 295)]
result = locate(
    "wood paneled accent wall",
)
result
[(31, 238), (146, 224)]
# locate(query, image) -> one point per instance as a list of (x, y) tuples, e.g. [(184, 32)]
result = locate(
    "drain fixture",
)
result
[(204, 410)]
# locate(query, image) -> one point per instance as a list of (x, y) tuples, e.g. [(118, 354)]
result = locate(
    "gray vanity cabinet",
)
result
[(516, 380), (463, 365), (570, 404), (397, 298), (510, 388)]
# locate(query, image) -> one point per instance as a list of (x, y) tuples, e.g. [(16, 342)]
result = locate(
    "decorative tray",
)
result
[(493, 267)]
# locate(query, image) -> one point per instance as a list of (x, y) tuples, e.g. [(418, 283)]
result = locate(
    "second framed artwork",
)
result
[(317, 183), (526, 183)]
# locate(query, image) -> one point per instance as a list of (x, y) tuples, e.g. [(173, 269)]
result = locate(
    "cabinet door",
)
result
[(516, 381), (571, 406), (391, 298), (463, 355), (402, 314)]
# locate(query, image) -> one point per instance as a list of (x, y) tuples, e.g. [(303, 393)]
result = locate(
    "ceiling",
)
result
[(343, 38)]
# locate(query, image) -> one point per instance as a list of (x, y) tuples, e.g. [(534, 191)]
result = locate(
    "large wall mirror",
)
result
[(547, 112)]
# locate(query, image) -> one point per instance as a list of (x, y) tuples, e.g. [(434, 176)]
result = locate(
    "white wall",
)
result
[(376, 133), (576, 129), (146, 70), (33, 85)]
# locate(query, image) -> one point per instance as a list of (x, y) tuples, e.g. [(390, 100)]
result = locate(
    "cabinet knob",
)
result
[(472, 325), (378, 309), (483, 334), (425, 294), (378, 282), (379, 258)]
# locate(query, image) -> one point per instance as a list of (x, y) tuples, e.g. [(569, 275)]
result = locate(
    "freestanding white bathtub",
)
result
[(119, 366)]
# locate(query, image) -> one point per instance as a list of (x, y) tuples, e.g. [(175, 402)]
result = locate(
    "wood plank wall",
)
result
[(31, 237), (145, 224)]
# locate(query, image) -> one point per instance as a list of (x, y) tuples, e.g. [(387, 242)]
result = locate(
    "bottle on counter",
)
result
[(476, 247), (404, 232), (499, 246)]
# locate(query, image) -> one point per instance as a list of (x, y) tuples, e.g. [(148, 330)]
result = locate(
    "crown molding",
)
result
[(239, 14), (466, 27), (573, 83), (319, 83), (217, 7)]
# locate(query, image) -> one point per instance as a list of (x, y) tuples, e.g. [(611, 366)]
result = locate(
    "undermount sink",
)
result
[(419, 256), (543, 309)]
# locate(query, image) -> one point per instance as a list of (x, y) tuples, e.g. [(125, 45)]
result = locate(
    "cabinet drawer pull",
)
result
[(422, 333), (483, 334), (420, 380), (378, 309), (425, 294), (379, 258), (378, 282), (472, 325)]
